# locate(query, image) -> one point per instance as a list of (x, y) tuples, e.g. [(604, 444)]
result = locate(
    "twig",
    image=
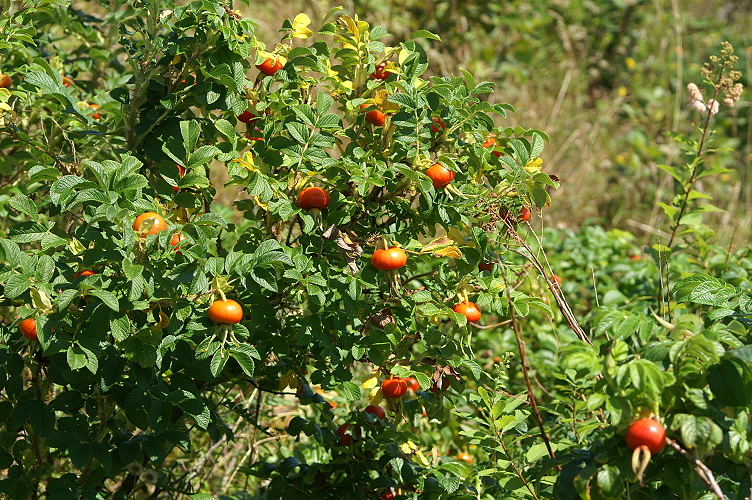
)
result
[(495, 325), (519, 474), (523, 360), (200, 464), (556, 292), (404, 282), (272, 391), (702, 470)]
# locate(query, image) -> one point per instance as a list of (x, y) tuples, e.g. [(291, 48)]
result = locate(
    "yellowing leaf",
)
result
[(176, 59), (422, 460), (348, 23), (375, 396), (76, 247), (371, 381), (300, 26), (442, 247), (164, 320), (381, 101), (456, 236), (263, 205), (451, 251), (289, 379), (408, 448), (402, 56), (246, 161), (40, 300), (437, 244)]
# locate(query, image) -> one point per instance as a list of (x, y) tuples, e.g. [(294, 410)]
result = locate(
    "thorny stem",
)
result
[(523, 360), (702, 470)]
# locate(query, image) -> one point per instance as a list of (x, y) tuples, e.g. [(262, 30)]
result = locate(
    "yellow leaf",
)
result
[(176, 59), (381, 101), (451, 251), (437, 244), (164, 320), (375, 396), (263, 205), (408, 448), (246, 161), (300, 26), (422, 460), (289, 379), (371, 381), (533, 165)]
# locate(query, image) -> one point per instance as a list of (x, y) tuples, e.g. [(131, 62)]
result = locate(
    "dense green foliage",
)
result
[(132, 391)]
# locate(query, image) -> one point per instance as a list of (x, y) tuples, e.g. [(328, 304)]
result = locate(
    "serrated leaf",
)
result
[(107, 297), (218, 361)]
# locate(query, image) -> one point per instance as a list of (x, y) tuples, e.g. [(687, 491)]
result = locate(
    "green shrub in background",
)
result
[(349, 253)]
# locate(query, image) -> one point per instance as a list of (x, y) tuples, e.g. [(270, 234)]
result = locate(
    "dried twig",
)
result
[(523, 360), (702, 470), (553, 286)]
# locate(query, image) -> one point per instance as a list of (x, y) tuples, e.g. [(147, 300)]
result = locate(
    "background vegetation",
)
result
[(605, 80)]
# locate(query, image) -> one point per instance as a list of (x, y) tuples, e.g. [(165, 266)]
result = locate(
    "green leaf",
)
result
[(190, 130), (76, 360), (43, 420), (203, 155), (669, 210), (23, 204), (522, 153), (536, 451), (16, 285), (351, 391), (244, 355), (218, 361), (226, 128), (202, 496), (107, 297), (210, 219), (731, 383), (298, 131), (425, 34), (675, 173)]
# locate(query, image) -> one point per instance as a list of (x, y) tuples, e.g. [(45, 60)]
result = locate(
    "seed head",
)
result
[(150, 476), (134, 468)]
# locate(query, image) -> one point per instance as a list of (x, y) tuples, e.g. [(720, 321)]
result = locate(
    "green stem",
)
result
[(693, 177)]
